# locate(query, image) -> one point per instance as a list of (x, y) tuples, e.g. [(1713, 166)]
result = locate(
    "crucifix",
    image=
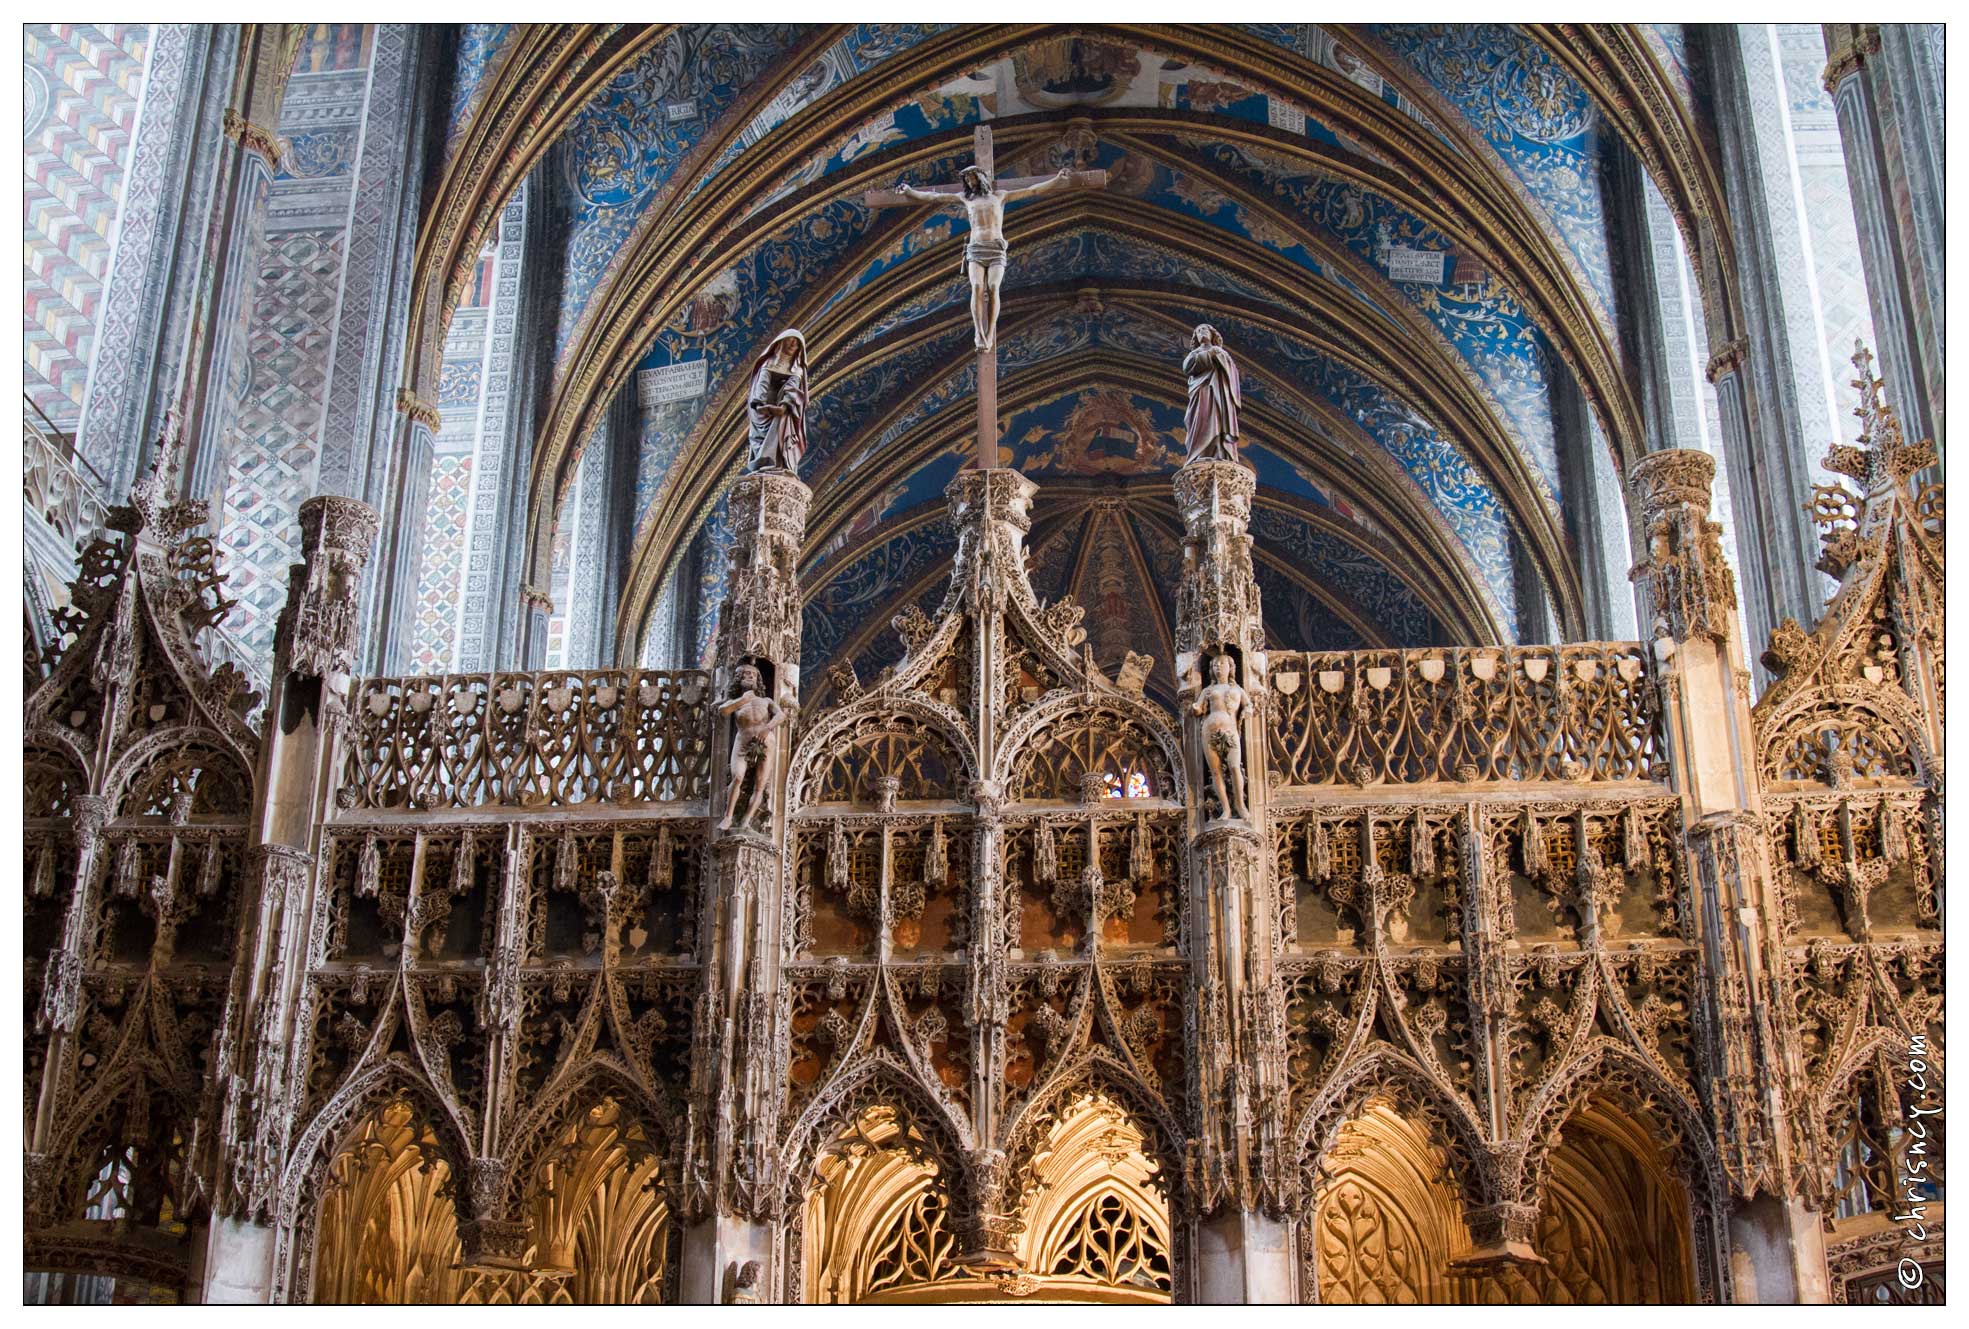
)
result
[(983, 199)]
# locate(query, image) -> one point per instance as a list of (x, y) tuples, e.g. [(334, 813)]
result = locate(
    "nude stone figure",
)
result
[(1222, 705), (755, 717), (985, 248)]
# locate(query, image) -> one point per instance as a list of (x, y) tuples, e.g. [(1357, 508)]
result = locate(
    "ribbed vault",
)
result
[(1279, 181)]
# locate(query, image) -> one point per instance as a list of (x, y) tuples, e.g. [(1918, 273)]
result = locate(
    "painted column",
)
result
[(408, 504), (1240, 1175), (161, 237), (1856, 76), (1749, 1048), (500, 482), (314, 651), (367, 450), (1771, 391), (536, 613), (739, 1056), (1679, 404), (1597, 527), (244, 182)]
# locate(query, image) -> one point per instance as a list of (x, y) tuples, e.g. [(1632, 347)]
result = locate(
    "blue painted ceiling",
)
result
[(1384, 518)]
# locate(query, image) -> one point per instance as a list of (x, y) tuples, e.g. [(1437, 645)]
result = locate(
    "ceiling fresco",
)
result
[(1403, 343)]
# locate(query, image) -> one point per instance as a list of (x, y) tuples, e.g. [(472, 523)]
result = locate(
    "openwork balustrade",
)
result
[(59, 486), (1580, 714), (527, 740)]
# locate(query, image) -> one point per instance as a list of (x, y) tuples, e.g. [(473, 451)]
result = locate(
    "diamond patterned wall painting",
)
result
[(274, 449), (81, 88), (440, 584)]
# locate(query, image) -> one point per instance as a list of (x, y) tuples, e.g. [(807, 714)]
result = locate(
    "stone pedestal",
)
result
[(314, 650), (1777, 1253), (1752, 1056), (238, 1264), (1239, 1166), (1245, 1258), (760, 619), (739, 1044), (716, 1251)]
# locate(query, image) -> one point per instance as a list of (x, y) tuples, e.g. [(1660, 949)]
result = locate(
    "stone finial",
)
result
[(1689, 581), (1217, 603), (760, 619), (1881, 458), (318, 627), (991, 511)]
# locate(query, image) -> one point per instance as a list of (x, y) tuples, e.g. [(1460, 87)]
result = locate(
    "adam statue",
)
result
[(755, 715)]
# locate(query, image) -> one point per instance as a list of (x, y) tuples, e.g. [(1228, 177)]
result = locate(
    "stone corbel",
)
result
[(321, 619), (488, 1239), (987, 1231), (420, 411), (256, 139), (1857, 42), (1501, 1235), (1727, 359)]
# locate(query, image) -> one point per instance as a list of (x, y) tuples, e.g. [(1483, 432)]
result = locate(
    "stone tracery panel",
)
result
[(527, 740), (1578, 713)]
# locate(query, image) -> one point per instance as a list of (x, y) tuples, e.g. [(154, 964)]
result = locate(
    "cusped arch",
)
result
[(1607, 1069), (1877, 734), (1099, 1072), (872, 1080), (597, 1077), (1618, 1074), (849, 750), (182, 760), (88, 1125), (51, 781), (1386, 1072), (314, 1151), (1071, 734)]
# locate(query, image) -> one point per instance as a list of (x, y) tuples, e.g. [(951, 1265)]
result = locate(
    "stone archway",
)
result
[(1096, 1230), (388, 1234)]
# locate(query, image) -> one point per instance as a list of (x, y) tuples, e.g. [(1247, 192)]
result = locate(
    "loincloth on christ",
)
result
[(987, 253)]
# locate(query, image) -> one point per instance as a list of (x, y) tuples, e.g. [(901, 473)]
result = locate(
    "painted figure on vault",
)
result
[(776, 406), (985, 248), (1210, 420)]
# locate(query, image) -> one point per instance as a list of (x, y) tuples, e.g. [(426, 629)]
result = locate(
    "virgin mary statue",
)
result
[(1210, 421), (776, 406)]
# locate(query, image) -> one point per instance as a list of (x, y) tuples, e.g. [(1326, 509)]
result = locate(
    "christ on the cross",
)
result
[(984, 248), (983, 200)]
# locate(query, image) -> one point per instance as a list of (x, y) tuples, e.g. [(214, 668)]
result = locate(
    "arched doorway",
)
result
[(1096, 1230), (388, 1232), (1614, 1225)]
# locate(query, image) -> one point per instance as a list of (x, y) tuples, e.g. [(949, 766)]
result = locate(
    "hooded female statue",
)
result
[(1210, 421), (776, 406)]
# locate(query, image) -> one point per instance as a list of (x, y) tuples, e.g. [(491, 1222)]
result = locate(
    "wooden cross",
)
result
[(987, 219)]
